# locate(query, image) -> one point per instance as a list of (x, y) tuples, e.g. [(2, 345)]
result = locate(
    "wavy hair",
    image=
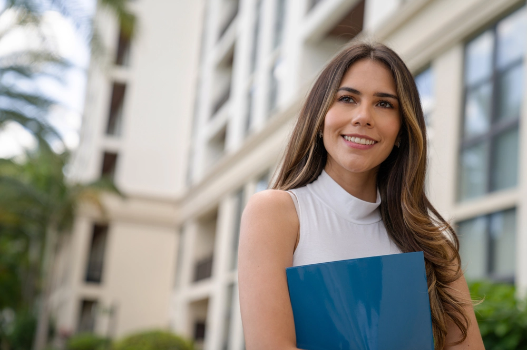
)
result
[(410, 219)]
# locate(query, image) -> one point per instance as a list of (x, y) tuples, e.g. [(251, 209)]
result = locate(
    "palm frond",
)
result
[(38, 127)]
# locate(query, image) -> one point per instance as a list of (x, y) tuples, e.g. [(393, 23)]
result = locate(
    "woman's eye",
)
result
[(385, 104), (347, 99)]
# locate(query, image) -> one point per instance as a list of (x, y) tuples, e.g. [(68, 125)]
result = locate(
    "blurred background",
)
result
[(133, 132)]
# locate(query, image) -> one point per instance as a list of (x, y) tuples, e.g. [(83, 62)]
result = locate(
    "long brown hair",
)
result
[(410, 219)]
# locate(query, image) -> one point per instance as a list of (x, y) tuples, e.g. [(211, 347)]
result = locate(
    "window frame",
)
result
[(496, 127), (490, 253)]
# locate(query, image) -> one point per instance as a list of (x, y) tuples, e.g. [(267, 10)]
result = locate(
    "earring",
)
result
[(320, 134), (398, 143)]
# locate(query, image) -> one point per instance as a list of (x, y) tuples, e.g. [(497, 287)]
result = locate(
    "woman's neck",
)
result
[(360, 185)]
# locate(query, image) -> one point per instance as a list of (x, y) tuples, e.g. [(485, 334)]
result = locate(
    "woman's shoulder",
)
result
[(277, 203), (271, 210)]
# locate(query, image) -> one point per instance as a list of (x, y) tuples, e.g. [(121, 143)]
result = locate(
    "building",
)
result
[(212, 131), (114, 274), (258, 60)]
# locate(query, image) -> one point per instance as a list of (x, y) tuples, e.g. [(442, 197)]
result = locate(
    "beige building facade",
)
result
[(209, 103), (462, 54), (114, 274)]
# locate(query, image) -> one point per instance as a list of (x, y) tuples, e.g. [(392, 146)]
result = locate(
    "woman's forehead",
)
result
[(369, 74)]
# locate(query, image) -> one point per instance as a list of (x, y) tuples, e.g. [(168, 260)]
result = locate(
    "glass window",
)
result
[(477, 111), (493, 98), (510, 93), (488, 246), (473, 247), (425, 86), (511, 38), (473, 172), (478, 64), (505, 169), (279, 22)]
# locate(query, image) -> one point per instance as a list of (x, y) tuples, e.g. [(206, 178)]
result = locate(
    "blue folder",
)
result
[(375, 303)]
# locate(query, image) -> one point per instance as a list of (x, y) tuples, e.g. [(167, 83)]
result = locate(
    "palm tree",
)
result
[(38, 206), (27, 108), (36, 202)]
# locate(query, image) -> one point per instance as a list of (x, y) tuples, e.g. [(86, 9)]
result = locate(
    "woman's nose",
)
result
[(363, 116)]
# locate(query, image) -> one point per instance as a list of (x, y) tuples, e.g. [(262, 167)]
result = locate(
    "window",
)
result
[(488, 246), (123, 49), (425, 85), (116, 110), (203, 255), (109, 164), (493, 97), (279, 22), (87, 316), (199, 331), (96, 255)]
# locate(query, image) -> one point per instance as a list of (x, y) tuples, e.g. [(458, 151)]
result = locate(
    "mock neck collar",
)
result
[(344, 204)]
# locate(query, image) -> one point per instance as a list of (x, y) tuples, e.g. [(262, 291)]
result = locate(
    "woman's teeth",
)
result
[(359, 140)]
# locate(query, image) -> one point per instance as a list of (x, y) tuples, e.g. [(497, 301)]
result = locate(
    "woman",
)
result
[(351, 185)]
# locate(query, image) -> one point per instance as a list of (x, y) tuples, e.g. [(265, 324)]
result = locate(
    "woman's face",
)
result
[(362, 125)]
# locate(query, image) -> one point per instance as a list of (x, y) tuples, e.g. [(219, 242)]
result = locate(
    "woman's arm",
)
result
[(268, 234), (473, 340)]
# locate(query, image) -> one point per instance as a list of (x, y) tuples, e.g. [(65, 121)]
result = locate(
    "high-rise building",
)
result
[(210, 96)]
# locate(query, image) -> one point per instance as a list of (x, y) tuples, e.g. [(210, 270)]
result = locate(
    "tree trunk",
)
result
[(41, 336)]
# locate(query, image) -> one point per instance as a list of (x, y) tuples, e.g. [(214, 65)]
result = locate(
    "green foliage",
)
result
[(23, 330), (86, 341), (501, 317), (153, 340)]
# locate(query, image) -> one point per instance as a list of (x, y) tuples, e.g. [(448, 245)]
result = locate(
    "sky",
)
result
[(66, 116)]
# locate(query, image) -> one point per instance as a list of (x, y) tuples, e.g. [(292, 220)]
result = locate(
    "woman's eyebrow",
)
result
[(378, 94)]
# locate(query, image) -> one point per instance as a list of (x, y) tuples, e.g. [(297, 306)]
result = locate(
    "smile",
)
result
[(360, 141)]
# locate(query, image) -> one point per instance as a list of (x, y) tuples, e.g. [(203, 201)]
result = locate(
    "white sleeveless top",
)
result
[(334, 225)]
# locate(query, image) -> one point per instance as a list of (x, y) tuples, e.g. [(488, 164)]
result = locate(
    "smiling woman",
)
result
[(351, 185)]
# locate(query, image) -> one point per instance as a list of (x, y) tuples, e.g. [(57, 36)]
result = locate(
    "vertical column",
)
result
[(240, 74), (216, 312), (448, 73), (292, 50), (207, 85), (521, 211)]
